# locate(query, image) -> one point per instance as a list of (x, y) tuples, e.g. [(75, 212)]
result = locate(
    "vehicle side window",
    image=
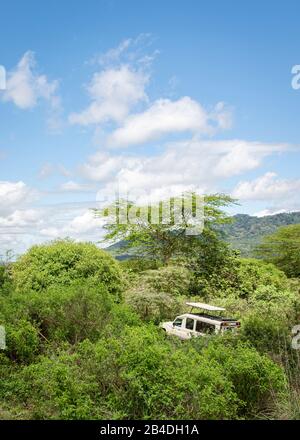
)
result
[(204, 327), (199, 326), (177, 322), (189, 324)]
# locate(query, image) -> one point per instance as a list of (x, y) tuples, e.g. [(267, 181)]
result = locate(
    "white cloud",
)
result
[(188, 165), (72, 186), (113, 55), (240, 156), (135, 51), (84, 223), (267, 187), (102, 166), (166, 117), (14, 195), (20, 218), (24, 87), (116, 90), (49, 169), (113, 92), (266, 212)]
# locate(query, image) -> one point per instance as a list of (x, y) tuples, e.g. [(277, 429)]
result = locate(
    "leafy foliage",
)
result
[(164, 240), (63, 262), (78, 349), (283, 249)]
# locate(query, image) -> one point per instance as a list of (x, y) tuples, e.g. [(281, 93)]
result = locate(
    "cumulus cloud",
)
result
[(20, 218), (267, 187), (14, 195), (118, 96), (113, 93), (25, 87), (187, 165), (84, 223), (163, 117), (241, 156)]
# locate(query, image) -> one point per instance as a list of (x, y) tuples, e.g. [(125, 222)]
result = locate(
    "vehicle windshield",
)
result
[(177, 322)]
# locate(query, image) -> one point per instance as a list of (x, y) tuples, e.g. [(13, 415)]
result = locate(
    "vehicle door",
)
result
[(190, 325), (178, 328)]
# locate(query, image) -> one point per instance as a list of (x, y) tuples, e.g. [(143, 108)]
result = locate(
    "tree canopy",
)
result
[(283, 249), (165, 240), (63, 262)]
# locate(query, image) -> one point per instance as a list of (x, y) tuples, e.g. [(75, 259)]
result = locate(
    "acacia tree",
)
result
[(165, 240), (283, 249)]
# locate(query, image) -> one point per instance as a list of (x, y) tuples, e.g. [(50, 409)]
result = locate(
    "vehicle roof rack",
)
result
[(205, 306)]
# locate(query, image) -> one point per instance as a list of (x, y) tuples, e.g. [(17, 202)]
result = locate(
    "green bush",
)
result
[(135, 376), (22, 341), (71, 313), (61, 263), (138, 265), (240, 277), (153, 306), (254, 274), (173, 280), (57, 388), (158, 294), (257, 380), (160, 382)]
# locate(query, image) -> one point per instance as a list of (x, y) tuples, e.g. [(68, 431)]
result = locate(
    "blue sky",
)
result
[(158, 97)]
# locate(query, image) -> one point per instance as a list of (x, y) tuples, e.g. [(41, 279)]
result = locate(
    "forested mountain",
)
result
[(244, 233), (247, 231)]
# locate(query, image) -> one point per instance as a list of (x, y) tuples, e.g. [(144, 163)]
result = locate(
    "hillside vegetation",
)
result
[(246, 231)]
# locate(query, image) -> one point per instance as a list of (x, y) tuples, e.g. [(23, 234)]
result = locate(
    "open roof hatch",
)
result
[(205, 306)]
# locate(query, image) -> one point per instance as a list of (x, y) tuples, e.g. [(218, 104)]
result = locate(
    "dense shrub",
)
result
[(75, 350), (5, 279), (158, 294), (174, 280), (241, 278), (137, 375), (138, 265), (253, 274), (61, 263), (22, 340), (153, 306), (257, 380), (163, 383), (72, 313)]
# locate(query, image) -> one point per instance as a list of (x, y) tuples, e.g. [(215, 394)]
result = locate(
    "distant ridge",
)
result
[(243, 234), (247, 231)]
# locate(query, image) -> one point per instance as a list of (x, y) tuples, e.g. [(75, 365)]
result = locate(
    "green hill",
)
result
[(243, 234), (247, 231)]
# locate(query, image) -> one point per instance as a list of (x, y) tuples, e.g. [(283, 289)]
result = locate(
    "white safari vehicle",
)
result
[(197, 324)]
